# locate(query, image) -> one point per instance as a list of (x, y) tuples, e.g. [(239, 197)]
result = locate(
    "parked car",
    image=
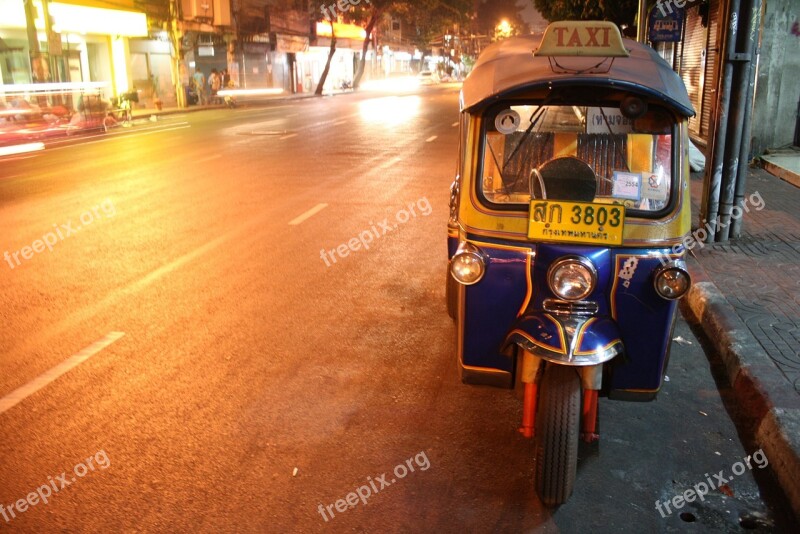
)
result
[(428, 77)]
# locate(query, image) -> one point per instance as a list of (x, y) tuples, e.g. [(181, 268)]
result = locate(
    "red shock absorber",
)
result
[(528, 410), (529, 368), (589, 420)]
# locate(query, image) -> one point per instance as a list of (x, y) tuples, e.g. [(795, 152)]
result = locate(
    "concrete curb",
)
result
[(145, 113), (759, 388)]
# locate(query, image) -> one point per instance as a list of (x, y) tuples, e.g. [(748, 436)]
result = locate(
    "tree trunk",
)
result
[(324, 76), (369, 29)]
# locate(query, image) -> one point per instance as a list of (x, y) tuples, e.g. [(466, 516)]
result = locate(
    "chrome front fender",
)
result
[(567, 340)]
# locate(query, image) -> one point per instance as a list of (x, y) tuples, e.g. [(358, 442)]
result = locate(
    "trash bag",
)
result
[(697, 161)]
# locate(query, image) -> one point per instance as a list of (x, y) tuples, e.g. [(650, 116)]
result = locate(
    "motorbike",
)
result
[(568, 222)]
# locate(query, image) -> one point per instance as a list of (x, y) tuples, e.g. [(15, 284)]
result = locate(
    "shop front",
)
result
[(81, 44), (349, 43)]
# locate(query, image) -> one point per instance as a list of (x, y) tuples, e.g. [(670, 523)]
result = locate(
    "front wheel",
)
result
[(557, 430)]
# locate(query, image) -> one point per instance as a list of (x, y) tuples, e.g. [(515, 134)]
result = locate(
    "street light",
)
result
[(503, 29)]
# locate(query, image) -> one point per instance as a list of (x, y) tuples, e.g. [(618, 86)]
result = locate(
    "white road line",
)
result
[(287, 136), (110, 137), (209, 158), (15, 158), (21, 393), (339, 123), (255, 110), (454, 124), (310, 213), (431, 138), (20, 149)]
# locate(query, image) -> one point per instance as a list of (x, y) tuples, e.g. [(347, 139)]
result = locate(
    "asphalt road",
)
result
[(220, 374)]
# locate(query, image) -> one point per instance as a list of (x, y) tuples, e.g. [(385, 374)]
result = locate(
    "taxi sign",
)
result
[(576, 222), (592, 38)]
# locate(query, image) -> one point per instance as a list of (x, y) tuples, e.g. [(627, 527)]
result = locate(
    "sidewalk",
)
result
[(145, 113), (746, 295), (783, 163)]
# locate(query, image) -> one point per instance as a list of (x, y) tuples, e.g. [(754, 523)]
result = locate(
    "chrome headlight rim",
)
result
[(672, 266), (466, 249), (576, 260)]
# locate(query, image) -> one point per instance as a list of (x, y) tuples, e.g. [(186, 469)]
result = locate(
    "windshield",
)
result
[(577, 153)]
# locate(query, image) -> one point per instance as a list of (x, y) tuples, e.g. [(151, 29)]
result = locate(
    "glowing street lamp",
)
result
[(504, 29)]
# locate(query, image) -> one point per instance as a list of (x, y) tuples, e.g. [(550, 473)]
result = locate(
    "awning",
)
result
[(69, 18)]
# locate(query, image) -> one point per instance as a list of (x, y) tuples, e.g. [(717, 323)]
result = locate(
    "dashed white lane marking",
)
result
[(431, 138), (310, 213), (22, 392), (454, 124), (339, 123), (287, 136)]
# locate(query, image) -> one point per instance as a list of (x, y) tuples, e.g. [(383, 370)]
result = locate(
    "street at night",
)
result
[(230, 320)]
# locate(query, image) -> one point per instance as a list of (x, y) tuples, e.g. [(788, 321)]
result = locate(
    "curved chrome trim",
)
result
[(580, 260), (570, 358)]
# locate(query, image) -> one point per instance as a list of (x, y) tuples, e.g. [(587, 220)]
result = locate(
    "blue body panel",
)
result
[(491, 306), (628, 308)]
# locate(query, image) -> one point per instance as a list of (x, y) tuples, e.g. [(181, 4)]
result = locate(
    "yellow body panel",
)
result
[(475, 218)]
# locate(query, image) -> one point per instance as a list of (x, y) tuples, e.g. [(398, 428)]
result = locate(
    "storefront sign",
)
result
[(665, 27), (290, 43)]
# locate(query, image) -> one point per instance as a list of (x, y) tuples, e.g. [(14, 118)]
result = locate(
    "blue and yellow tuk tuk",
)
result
[(568, 220)]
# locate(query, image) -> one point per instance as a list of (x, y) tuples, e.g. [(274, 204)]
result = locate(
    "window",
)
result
[(579, 154)]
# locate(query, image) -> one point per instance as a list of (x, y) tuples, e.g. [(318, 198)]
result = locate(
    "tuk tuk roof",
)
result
[(509, 66)]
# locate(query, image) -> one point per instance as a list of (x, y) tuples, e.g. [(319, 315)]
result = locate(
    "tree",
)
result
[(327, 68), (428, 17), (621, 12)]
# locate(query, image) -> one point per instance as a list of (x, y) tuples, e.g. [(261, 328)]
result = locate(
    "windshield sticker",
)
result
[(607, 120), (627, 185), (655, 186), (507, 122)]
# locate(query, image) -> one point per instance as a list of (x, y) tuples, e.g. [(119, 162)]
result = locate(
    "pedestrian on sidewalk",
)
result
[(199, 81), (215, 81)]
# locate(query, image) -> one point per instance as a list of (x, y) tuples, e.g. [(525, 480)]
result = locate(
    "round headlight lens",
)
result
[(672, 282), (467, 266), (572, 278)]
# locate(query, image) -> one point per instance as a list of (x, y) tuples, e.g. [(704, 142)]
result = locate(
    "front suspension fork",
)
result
[(591, 380)]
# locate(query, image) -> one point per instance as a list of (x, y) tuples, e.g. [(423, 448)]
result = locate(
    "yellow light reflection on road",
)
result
[(394, 85), (389, 111)]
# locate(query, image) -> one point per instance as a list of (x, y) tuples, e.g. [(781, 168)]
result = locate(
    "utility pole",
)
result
[(37, 66), (176, 37)]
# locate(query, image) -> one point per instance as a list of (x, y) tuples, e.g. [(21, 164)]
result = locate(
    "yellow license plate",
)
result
[(576, 222)]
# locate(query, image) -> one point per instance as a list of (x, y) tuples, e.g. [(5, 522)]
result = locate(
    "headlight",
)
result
[(468, 264), (672, 281), (572, 278)]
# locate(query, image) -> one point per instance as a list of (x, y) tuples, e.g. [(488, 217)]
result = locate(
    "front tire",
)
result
[(557, 432)]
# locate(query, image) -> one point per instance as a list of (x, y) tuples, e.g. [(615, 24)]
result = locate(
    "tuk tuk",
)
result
[(566, 238)]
